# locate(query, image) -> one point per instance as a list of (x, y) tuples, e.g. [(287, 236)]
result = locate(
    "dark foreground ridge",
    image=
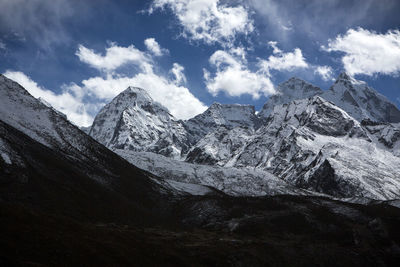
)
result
[(53, 214)]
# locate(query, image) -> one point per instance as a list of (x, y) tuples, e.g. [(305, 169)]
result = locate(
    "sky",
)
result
[(188, 54)]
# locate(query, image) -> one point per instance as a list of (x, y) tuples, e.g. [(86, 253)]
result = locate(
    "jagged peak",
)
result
[(132, 95), (344, 77), (136, 90)]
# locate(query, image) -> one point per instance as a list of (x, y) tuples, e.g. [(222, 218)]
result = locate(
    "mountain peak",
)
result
[(361, 101), (133, 121), (292, 89), (134, 94), (346, 78)]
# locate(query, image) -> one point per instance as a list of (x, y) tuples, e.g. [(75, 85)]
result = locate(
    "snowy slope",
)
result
[(29, 115), (315, 145), (133, 121), (230, 180)]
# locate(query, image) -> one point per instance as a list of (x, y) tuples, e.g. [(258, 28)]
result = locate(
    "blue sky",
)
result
[(77, 55)]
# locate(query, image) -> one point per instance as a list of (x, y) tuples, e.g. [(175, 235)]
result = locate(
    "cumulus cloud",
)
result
[(178, 99), (208, 20), (115, 57), (368, 52), (81, 102), (68, 102), (325, 72), (284, 61), (233, 77), (153, 46)]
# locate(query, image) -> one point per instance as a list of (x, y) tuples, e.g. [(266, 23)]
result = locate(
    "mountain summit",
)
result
[(360, 100), (321, 141), (292, 89), (134, 121)]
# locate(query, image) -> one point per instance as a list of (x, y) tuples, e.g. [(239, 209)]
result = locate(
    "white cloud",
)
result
[(178, 99), (153, 46), (367, 52), (115, 57), (235, 78), (208, 20), (283, 61), (81, 102), (167, 91), (68, 102), (325, 72), (177, 72)]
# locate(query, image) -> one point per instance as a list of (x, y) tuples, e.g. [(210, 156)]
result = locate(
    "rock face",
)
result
[(133, 121)]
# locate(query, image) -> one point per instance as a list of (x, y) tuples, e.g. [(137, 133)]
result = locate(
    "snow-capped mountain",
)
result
[(339, 147), (353, 96), (225, 115), (82, 198), (361, 101), (133, 121), (315, 145), (292, 89)]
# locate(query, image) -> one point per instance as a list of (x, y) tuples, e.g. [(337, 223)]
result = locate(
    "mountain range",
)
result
[(230, 186), (343, 142)]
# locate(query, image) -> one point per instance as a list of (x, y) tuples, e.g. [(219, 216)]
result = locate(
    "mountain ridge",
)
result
[(279, 140)]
